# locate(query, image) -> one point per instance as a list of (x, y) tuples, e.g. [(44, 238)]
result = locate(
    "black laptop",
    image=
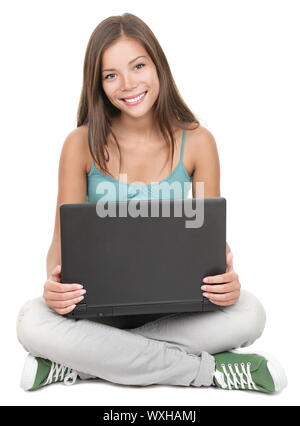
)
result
[(142, 256)]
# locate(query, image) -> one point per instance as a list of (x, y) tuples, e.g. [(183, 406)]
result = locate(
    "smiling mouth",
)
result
[(133, 97)]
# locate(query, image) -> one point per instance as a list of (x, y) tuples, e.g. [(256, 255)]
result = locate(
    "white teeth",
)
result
[(135, 99)]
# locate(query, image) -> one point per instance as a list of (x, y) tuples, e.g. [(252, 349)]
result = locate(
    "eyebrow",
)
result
[(113, 69)]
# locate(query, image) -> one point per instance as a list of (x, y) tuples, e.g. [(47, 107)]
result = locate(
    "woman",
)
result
[(131, 118)]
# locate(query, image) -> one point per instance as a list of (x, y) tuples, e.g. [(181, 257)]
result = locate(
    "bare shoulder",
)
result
[(201, 145), (200, 137), (204, 154), (78, 136)]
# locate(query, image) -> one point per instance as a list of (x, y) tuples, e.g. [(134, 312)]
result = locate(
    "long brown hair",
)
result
[(96, 111)]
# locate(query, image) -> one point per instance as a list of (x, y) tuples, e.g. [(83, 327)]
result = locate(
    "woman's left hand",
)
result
[(225, 290)]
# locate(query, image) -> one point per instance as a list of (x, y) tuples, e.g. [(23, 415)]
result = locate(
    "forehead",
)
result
[(121, 52)]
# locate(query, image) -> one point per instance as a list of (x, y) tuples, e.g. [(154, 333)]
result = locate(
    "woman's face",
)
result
[(128, 71)]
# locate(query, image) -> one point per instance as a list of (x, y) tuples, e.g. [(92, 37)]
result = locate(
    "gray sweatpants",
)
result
[(172, 349)]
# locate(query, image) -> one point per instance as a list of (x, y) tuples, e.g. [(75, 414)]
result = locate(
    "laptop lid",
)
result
[(142, 256)]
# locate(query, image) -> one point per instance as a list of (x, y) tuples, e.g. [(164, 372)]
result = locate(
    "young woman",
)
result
[(132, 122)]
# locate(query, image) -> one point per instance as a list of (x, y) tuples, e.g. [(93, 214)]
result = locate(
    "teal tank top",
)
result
[(101, 187)]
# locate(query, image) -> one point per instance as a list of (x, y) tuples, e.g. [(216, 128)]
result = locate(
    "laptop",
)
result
[(142, 256)]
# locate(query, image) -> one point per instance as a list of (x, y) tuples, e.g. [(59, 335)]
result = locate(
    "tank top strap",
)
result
[(182, 144), (92, 166)]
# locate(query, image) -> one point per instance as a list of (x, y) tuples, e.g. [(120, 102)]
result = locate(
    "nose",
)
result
[(128, 85)]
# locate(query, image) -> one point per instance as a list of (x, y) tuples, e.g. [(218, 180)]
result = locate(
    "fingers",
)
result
[(222, 288), (223, 278), (62, 304), (60, 287), (64, 311), (228, 303), (224, 299), (62, 298), (69, 295)]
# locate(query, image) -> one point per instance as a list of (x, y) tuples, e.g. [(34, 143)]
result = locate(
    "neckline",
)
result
[(180, 162), (142, 184)]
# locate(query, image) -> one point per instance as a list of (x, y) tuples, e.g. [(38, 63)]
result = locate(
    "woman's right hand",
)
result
[(61, 298)]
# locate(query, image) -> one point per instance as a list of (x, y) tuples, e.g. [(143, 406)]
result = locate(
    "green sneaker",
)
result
[(39, 372), (249, 371)]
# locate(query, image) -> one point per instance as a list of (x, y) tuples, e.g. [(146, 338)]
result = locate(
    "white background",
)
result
[(236, 64)]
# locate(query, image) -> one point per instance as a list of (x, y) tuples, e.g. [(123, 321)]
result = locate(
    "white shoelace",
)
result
[(66, 374), (244, 380)]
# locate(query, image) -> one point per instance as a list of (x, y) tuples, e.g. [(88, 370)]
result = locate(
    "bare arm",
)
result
[(71, 186), (206, 165), (53, 257)]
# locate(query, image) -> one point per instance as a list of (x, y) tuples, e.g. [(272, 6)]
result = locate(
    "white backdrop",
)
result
[(236, 65)]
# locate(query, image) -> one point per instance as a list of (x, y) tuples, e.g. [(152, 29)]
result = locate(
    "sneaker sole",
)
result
[(276, 370), (29, 372)]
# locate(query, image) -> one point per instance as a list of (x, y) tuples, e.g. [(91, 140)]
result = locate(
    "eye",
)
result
[(140, 64), (106, 77)]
